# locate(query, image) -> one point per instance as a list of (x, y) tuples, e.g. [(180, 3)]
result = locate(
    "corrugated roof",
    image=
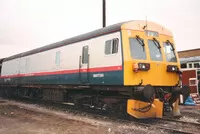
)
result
[(189, 59)]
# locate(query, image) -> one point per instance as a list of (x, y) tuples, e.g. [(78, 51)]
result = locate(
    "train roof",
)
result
[(136, 25), (82, 37)]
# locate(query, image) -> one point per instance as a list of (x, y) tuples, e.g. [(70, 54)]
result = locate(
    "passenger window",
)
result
[(115, 46), (111, 46), (57, 61), (108, 47), (85, 55)]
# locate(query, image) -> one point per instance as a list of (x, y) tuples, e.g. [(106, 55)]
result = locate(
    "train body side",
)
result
[(64, 65)]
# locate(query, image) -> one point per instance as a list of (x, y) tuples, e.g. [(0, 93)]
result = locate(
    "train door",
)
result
[(84, 65)]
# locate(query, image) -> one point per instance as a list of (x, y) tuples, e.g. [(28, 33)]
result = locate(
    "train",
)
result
[(130, 67)]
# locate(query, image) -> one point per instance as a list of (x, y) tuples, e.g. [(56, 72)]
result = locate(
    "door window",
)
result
[(85, 55)]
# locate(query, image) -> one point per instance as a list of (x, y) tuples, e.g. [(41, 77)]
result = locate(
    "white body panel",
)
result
[(10, 67), (69, 57)]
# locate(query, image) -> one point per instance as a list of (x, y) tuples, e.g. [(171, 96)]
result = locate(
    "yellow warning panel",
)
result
[(140, 109)]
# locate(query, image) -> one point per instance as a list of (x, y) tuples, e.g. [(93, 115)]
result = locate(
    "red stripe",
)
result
[(98, 69)]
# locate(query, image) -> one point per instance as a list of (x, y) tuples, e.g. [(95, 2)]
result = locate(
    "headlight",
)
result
[(141, 66), (172, 68)]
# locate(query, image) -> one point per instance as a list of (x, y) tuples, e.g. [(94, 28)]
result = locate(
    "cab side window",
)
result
[(111, 46)]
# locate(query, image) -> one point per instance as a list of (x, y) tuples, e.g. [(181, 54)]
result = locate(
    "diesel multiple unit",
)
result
[(131, 67)]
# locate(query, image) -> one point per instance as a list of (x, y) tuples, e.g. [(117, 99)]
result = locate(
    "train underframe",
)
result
[(139, 101)]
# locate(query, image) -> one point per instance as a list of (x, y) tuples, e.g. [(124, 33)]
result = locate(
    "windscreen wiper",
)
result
[(172, 45), (156, 43), (141, 42)]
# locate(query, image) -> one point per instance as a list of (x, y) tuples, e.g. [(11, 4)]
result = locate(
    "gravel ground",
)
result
[(20, 118), (190, 113)]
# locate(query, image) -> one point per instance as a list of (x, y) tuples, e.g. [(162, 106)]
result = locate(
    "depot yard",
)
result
[(191, 113), (23, 118), (18, 117)]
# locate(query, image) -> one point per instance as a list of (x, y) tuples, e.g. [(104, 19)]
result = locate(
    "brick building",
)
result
[(190, 65), (190, 58)]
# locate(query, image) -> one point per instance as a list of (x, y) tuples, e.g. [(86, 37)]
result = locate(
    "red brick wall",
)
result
[(187, 74)]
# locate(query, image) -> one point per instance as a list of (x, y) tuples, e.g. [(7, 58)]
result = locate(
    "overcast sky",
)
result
[(28, 24)]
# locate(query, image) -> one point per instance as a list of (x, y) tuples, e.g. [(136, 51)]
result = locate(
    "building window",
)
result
[(198, 76), (111, 46), (192, 81), (183, 66), (190, 65), (57, 61), (196, 65)]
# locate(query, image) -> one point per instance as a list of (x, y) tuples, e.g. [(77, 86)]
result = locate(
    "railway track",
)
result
[(177, 126), (165, 124)]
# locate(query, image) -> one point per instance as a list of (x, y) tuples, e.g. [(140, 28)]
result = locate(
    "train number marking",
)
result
[(98, 75)]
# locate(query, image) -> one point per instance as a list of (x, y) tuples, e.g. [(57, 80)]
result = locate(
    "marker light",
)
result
[(135, 67), (141, 66)]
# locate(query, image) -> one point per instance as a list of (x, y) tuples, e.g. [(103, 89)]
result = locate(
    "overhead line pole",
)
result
[(104, 13)]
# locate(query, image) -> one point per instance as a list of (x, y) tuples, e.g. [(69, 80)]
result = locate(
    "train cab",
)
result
[(151, 65)]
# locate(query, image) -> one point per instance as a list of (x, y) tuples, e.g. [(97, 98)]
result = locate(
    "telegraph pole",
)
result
[(104, 13)]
